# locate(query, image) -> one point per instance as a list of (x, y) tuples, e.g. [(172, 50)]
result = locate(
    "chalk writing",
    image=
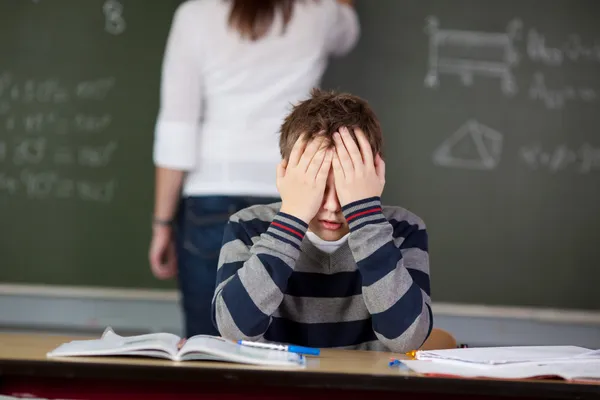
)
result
[(92, 123), (573, 49), (47, 123), (45, 91), (41, 185), (473, 146), (50, 91), (584, 160), (101, 192), (96, 156), (557, 98), (113, 14), (467, 53), (51, 122), (29, 151), (38, 185), (95, 89)]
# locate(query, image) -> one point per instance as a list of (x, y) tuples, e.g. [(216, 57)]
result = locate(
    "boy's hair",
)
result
[(323, 114)]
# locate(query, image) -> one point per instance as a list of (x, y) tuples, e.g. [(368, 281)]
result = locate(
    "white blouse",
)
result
[(223, 98)]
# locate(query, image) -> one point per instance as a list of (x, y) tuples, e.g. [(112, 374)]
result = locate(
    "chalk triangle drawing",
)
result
[(472, 146)]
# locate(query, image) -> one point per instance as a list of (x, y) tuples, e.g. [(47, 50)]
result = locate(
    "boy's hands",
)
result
[(357, 176), (301, 181)]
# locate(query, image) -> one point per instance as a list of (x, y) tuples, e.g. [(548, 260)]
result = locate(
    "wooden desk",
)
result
[(24, 369)]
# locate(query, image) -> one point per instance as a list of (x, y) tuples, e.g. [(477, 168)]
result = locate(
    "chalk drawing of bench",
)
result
[(468, 53)]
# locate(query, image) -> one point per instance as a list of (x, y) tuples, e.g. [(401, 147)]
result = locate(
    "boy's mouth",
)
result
[(330, 225)]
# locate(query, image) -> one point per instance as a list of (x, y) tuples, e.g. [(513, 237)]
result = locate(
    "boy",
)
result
[(328, 266)]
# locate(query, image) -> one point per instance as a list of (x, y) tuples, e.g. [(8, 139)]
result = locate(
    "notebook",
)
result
[(165, 346), (579, 370), (508, 355)]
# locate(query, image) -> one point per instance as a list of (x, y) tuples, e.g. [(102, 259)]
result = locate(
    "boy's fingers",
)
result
[(365, 147), (352, 148), (316, 163), (338, 172), (309, 152), (325, 166), (297, 151), (342, 154), (380, 167)]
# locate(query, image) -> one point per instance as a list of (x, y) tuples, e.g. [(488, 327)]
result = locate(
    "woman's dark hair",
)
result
[(253, 18)]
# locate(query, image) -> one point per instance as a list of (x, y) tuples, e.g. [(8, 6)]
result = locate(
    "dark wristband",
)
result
[(162, 222)]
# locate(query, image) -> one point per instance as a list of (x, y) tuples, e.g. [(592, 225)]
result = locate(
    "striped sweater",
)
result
[(373, 293)]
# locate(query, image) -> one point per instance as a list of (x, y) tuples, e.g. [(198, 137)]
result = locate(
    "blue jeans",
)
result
[(201, 223)]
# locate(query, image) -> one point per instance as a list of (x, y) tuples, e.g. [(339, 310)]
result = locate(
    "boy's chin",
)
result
[(331, 235)]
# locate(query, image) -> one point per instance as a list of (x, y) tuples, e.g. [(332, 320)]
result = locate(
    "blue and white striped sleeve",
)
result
[(392, 256), (252, 276)]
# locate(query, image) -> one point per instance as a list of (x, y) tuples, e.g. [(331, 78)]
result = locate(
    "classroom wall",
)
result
[(87, 310)]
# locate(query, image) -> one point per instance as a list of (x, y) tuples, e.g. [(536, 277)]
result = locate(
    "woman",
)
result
[(230, 71)]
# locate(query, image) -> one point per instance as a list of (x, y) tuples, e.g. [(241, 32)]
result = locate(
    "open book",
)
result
[(165, 345)]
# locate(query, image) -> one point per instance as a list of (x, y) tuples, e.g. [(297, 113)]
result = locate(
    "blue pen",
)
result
[(398, 363), (281, 347)]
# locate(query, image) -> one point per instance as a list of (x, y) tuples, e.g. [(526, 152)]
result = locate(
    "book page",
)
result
[(163, 345), (588, 370), (218, 348), (168, 338)]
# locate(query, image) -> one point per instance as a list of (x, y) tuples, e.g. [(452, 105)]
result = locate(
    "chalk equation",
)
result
[(50, 90), (583, 160), (113, 16), (96, 156), (573, 49), (467, 53), (85, 156), (35, 150), (40, 185), (473, 146), (55, 123), (557, 98)]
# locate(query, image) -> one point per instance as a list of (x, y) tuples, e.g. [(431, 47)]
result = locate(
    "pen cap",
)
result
[(304, 350)]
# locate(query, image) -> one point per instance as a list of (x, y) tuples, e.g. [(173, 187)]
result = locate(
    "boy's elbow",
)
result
[(413, 337), (406, 343), (226, 325)]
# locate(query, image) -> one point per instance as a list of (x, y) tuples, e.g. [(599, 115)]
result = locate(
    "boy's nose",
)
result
[(331, 202)]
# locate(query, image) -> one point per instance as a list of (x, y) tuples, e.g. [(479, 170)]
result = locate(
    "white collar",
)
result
[(325, 245)]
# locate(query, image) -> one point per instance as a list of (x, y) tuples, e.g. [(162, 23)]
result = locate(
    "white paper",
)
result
[(506, 355), (580, 369)]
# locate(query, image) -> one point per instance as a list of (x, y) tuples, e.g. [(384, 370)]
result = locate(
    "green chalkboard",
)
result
[(79, 85), (490, 116), (490, 112)]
